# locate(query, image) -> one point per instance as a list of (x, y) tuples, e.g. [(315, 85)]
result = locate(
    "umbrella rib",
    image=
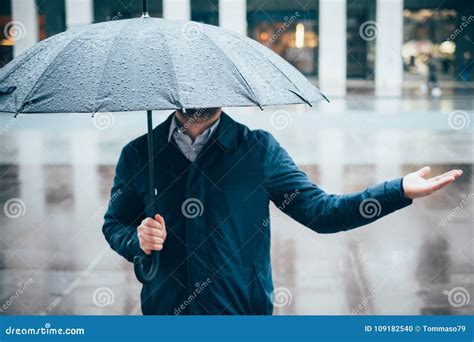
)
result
[(117, 35), (168, 53), (255, 99), (278, 69), (26, 59), (48, 67)]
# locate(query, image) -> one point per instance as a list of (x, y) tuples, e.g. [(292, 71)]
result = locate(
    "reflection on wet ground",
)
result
[(54, 259)]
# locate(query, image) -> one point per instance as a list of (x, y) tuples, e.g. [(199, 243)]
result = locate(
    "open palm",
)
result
[(416, 185)]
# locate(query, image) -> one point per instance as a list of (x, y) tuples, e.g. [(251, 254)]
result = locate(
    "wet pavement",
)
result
[(54, 259)]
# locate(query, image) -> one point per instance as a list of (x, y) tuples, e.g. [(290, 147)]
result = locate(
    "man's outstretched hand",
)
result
[(416, 185)]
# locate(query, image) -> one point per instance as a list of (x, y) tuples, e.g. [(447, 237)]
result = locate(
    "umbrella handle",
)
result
[(138, 261), (138, 265)]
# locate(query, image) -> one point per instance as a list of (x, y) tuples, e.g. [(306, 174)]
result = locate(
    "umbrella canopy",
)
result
[(146, 64)]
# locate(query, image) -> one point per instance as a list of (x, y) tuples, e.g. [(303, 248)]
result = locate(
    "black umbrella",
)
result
[(148, 64)]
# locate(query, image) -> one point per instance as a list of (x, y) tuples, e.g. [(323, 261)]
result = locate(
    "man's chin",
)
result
[(200, 114)]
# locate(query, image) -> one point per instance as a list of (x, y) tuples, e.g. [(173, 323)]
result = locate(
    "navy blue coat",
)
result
[(216, 258)]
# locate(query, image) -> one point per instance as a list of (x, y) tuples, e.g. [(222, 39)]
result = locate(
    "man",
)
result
[(214, 180)]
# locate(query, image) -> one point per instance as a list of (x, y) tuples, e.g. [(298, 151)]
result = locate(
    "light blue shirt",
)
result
[(187, 146)]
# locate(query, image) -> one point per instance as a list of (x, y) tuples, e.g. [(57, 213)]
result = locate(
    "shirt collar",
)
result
[(175, 128)]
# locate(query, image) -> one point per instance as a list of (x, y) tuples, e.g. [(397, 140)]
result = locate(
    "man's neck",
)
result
[(194, 127)]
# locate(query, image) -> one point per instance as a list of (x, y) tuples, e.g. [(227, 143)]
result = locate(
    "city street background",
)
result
[(384, 120)]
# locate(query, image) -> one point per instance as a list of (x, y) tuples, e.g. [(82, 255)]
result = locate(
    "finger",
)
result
[(151, 223), (424, 171), (151, 239), (457, 174), (442, 175), (454, 173), (152, 246), (161, 220), (441, 183), (151, 231)]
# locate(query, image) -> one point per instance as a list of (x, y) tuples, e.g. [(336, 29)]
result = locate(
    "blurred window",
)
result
[(205, 11), (51, 17), (426, 34), (6, 43), (288, 28), (360, 39), (121, 9)]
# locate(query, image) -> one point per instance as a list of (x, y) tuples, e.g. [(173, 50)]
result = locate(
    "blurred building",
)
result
[(381, 46)]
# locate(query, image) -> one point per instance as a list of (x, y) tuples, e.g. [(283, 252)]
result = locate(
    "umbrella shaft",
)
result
[(145, 6), (151, 162)]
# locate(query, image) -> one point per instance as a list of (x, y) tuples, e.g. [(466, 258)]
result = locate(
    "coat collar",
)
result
[(225, 134)]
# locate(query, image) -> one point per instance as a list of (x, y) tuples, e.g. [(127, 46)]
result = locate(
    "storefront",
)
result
[(361, 37), (205, 11), (6, 44), (437, 39), (288, 28), (119, 9), (438, 35)]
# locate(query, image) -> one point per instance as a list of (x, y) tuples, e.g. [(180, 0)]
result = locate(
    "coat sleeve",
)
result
[(125, 210), (293, 193)]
